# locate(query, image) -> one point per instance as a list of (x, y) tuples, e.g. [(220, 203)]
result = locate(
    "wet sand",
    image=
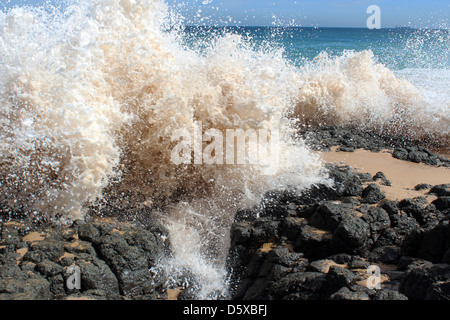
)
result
[(403, 175), (172, 294)]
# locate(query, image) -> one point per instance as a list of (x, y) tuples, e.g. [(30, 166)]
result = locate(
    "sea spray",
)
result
[(57, 119), (354, 89), (91, 95), (94, 94)]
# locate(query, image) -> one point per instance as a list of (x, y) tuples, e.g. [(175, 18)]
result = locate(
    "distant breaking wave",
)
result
[(90, 95)]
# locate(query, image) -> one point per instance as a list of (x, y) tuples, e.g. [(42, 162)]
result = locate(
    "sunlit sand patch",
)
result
[(267, 247), (34, 237), (78, 245), (327, 264), (403, 175), (13, 224), (118, 231), (21, 253), (67, 255), (172, 294), (105, 104)]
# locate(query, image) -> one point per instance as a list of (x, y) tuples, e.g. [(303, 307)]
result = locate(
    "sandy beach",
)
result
[(403, 175), (165, 150)]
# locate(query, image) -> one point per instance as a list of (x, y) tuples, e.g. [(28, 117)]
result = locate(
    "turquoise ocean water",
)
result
[(91, 94), (421, 56), (397, 48)]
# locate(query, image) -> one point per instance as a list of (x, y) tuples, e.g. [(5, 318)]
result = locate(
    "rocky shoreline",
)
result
[(321, 245), (325, 244), (115, 260), (351, 139)]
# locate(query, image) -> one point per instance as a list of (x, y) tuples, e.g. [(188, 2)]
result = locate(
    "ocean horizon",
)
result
[(93, 98)]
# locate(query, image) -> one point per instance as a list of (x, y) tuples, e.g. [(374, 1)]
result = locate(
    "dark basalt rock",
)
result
[(114, 261), (439, 290), (428, 282), (364, 176), (130, 256), (423, 186), (442, 203), (419, 155), (386, 254), (401, 227), (407, 263), (241, 234), (338, 278), (391, 207), (309, 246), (96, 275), (400, 153), (351, 233), (312, 242), (350, 139), (441, 190), (18, 284), (378, 219), (265, 270), (419, 210), (372, 194), (346, 294), (353, 186), (381, 176), (336, 235), (345, 228), (298, 286), (329, 214), (387, 294), (431, 244)]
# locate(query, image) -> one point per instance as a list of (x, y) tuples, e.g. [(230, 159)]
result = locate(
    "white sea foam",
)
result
[(93, 94), (354, 89)]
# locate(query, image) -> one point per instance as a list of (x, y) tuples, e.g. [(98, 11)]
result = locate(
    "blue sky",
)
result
[(326, 13)]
